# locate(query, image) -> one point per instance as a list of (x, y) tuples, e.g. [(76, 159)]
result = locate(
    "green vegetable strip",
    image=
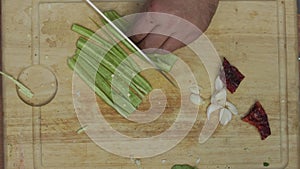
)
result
[(96, 53), (123, 23), (113, 65), (138, 80), (114, 16), (93, 36), (99, 81), (119, 37), (164, 62), (88, 80), (116, 50), (106, 76), (89, 47), (86, 62), (119, 48), (22, 88), (89, 34), (102, 85), (109, 72)]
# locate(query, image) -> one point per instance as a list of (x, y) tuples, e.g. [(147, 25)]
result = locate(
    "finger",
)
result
[(153, 41), (172, 44), (140, 28), (138, 38)]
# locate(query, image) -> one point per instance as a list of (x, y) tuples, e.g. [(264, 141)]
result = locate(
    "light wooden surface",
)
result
[(1, 108), (259, 37)]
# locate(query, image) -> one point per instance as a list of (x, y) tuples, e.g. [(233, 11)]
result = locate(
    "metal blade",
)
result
[(130, 42)]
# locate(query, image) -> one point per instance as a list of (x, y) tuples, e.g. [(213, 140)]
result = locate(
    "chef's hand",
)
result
[(197, 12)]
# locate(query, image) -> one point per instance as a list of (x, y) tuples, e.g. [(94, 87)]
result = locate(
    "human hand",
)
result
[(171, 33)]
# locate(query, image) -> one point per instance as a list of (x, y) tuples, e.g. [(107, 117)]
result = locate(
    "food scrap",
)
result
[(266, 164), (22, 88), (183, 166), (81, 129), (258, 117), (195, 96), (232, 75)]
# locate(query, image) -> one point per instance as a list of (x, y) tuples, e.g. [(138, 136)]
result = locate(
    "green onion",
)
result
[(113, 65), (118, 21), (100, 59), (89, 81), (104, 80), (164, 62), (108, 73), (116, 50), (101, 83), (22, 88)]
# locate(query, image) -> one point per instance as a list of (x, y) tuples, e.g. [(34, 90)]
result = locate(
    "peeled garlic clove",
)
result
[(225, 116), (231, 108), (196, 99), (211, 108), (219, 83), (219, 98), (194, 90)]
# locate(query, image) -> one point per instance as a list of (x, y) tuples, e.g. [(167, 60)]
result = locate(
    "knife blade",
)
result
[(130, 42)]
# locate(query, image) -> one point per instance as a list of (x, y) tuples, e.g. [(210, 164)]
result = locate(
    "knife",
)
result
[(130, 42)]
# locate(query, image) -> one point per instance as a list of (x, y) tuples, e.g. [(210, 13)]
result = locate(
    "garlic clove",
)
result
[(219, 98), (231, 108), (211, 108), (194, 90), (196, 99), (219, 83), (225, 116)]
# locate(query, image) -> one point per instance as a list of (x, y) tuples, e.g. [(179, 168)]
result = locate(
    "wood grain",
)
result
[(1, 99), (298, 23), (46, 137)]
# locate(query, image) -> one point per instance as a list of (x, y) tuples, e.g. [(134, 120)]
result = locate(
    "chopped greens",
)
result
[(102, 61)]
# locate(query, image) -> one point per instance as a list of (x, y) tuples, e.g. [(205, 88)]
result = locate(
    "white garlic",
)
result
[(219, 85), (219, 97), (225, 116), (196, 99), (211, 108), (194, 90), (231, 108)]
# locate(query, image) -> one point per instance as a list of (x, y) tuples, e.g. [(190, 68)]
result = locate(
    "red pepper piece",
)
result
[(232, 75), (258, 117)]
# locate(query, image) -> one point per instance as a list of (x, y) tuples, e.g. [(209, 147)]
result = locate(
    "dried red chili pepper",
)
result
[(258, 117), (232, 75)]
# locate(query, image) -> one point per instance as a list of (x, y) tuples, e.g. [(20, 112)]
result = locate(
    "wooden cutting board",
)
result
[(259, 37)]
